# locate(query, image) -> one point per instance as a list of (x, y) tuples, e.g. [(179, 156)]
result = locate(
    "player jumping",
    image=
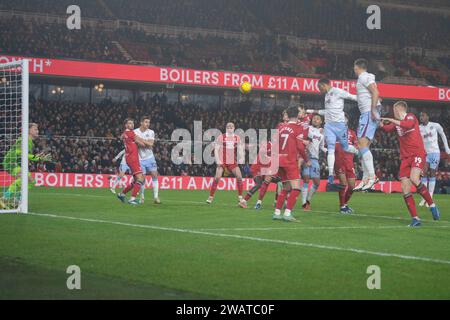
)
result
[(335, 125), (290, 145), (316, 137), (132, 141), (412, 156), (429, 131), (370, 108), (228, 147), (147, 158), (345, 171)]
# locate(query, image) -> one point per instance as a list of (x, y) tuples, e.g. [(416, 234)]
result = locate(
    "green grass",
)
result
[(186, 249)]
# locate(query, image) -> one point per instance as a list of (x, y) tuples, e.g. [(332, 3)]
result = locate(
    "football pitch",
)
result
[(186, 249)]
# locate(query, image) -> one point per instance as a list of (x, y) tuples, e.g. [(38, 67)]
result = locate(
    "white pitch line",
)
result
[(316, 228), (229, 206), (258, 239)]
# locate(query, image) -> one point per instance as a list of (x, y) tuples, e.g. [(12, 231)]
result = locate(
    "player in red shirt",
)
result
[(285, 119), (290, 145), (345, 171), (228, 152), (304, 120), (260, 176), (131, 142), (412, 157)]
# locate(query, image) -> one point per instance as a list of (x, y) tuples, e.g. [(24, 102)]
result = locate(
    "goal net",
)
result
[(14, 137)]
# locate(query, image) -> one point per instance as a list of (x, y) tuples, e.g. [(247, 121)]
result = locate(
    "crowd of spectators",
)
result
[(89, 8), (261, 54), (344, 20), (84, 138), (39, 39), (341, 20)]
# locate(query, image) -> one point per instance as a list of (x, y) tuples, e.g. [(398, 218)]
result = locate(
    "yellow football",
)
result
[(245, 87)]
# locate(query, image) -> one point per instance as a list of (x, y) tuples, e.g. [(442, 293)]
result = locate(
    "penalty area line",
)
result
[(248, 238)]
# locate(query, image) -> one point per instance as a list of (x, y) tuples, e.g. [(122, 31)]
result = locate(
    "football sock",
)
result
[(423, 191), (431, 185), (367, 158), (342, 194), (281, 198), (409, 200), (252, 191), (155, 186), (312, 191), (136, 188), (330, 161), (128, 187), (364, 169), (348, 195), (292, 199), (239, 187), (213, 187), (304, 192), (263, 190), (142, 191)]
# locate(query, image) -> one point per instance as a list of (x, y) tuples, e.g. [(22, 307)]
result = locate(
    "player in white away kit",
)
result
[(316, 144), (147, 158), (335, 126), (429, 132), (370, 108), (123, 169)]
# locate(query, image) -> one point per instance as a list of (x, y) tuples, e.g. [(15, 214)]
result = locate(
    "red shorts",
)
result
[(408, 163), (287, 173), (255, 170), (345, 166), (229, 167), (135, 166)]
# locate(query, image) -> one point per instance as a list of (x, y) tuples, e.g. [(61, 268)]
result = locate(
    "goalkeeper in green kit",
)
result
[(11, 164)]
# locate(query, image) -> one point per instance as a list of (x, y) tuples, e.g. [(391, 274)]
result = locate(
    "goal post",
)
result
[(14, 141)]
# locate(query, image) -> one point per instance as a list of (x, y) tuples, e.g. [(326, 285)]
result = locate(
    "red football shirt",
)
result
[(228, 148), (131, 148), (290, 144), (305, 123), (409, 138)]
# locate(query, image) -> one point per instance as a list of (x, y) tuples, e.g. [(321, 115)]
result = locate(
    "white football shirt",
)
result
[(145, 153), (429, 134), (317, 142), (334, 105), (363, 94)]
